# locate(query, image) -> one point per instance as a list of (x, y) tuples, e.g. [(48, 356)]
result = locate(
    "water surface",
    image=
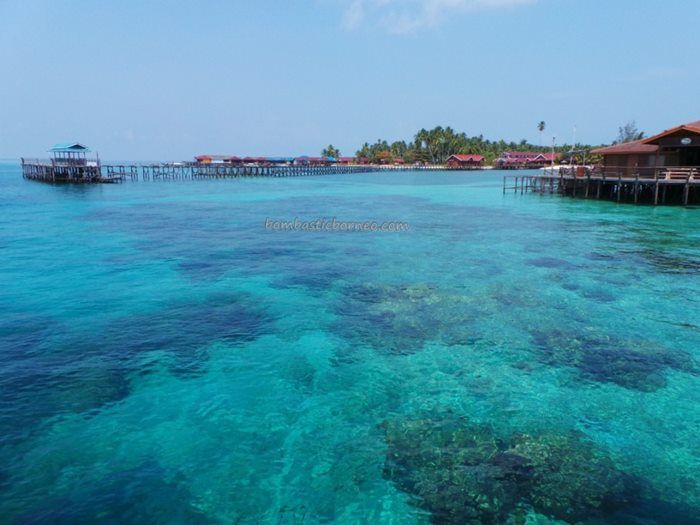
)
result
[(165, 359)]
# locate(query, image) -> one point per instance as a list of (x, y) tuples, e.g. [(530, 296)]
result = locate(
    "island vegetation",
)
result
[(628, 133), (436, 145)]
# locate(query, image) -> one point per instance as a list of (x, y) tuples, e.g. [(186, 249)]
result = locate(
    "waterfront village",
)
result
[(661, 169), (672, 151), (508, 160)]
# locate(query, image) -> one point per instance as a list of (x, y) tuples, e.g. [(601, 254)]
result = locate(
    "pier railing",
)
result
[(62, 170), (62, 162), (654, 185), (680, 173)]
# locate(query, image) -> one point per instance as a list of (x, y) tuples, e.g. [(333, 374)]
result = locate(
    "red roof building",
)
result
[(313, 161), (526, 159), (217, 159), (636, 147), (254, 160), (463, 161), (675, 147)]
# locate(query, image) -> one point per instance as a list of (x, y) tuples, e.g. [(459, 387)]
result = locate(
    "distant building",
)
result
[(253, 160), (525, 159), (218, 159), (314, 161), (279, 161), (462, 161), (346, 160), (678, 147)]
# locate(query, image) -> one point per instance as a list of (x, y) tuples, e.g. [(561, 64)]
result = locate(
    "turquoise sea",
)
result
[(510, 359)]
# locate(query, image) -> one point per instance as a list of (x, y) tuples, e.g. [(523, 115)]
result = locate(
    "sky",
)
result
[(166, 80)]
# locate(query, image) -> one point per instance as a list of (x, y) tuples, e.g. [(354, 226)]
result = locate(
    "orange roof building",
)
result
[(675, 147), (462, 161)]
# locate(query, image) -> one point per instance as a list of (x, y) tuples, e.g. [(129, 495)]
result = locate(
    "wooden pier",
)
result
[(70, 163), (670, 185), (48, 171), (51, 171)]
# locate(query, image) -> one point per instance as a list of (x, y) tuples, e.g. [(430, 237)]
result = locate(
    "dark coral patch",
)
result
[(316, 279), (551, 262), (182, 330), (671, 262), (23, 333), (209, 268), (445, 464), (400, 319), (86, 373), (637, 365), (598, 295), (567, 477), (140, 495), (461, 473), (41, 378), (299, 371)]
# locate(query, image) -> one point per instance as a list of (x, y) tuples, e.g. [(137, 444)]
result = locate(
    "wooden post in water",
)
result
[(656, 188), (560, 186)]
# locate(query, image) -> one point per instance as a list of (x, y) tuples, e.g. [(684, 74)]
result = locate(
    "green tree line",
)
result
[(435, 146)]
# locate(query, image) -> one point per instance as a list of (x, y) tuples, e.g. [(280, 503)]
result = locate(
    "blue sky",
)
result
[(167, 80)]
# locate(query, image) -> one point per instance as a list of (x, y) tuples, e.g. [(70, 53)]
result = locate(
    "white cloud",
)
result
[(354, 14), (408, 16)]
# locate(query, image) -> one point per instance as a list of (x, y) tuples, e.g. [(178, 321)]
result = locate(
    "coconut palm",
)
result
[(330, 151), (540, 128)]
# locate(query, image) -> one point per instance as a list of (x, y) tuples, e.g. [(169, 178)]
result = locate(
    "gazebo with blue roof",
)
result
[(67, 164), (70, 153)]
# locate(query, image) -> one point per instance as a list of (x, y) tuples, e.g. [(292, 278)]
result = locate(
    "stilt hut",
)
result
[(68, 163), (672, 153)]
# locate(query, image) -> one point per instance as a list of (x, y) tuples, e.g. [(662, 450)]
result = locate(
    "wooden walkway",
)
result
[(46, 171), (674, 187), (97, 172), (215, 171), (137, 172)]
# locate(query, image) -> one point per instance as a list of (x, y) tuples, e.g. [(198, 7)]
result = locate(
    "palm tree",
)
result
[(540, 128), (363, 151), (330, 151)]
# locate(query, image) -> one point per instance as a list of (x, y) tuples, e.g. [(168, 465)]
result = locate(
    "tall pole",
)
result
[(554, 140)]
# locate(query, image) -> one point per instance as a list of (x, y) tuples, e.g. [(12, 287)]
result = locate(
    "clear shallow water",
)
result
[(167, 360)]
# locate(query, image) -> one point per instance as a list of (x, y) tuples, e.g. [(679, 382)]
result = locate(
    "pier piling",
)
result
[(638, 189)]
